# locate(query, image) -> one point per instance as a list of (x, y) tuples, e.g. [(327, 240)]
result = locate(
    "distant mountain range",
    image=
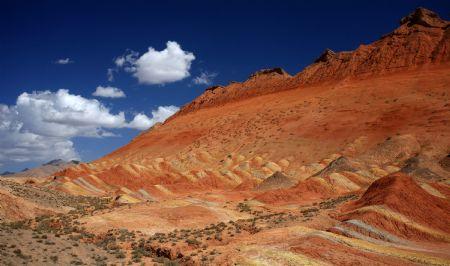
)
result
[(45, 169)]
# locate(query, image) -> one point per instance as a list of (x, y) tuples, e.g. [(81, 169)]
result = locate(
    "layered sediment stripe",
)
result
[(366, 232), (88, 186), (398, 217), (75, 189), (382, 250), (262, 255), (164, 189)]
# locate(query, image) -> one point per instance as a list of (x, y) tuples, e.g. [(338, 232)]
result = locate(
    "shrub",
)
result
[(191, 241), (120, 255), (54, 258), (243, 207)]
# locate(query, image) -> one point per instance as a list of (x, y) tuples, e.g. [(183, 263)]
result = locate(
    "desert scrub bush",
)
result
[(309, 212), (17, 225), (218, 237), (107, 240), (112, 246), (243, 207), (139, 251), (331, 203), (50, 243), (18, 253), (193, 242), (85, 234), (100, 260), (76, 262), (124, 235), (76, 237), (120, 255), (168, 262)]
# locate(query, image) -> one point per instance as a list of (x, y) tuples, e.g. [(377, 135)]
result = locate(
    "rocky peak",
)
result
[(54, 162), (326, 56), (424, 17), (422, 39), (212, 88), (269, 71)]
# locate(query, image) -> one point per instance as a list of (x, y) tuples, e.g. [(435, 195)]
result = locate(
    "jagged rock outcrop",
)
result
[(269, 71), (424, 17), (326, 56)]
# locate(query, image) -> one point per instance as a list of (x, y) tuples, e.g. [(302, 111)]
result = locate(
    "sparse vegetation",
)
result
[(244, 207)]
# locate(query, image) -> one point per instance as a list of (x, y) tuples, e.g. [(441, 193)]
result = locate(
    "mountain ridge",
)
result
[(414, 29), (44, 169)]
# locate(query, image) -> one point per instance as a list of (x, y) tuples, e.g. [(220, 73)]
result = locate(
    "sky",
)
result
[(79, 79)]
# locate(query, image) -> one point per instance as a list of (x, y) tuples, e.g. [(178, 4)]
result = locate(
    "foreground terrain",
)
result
[(347, 162)]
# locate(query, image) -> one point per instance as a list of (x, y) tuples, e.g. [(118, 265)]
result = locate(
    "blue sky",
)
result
[(229, 40)]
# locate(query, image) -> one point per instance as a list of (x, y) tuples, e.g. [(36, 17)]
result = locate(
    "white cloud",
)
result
[(110, 74), (41, 124), (158, 67), (63, 61), (125, 61), (19, 145), (164, 112), (109, 92), (129, 57), (204, 78), (65, 115), (141, 121)]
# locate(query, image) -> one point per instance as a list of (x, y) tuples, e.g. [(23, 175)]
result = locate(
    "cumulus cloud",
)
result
[(204, 78), (21, 145), (64, 115), (63, 61), (41, 124), (157, 67), (141, 121), (164, 112), (108, 92)]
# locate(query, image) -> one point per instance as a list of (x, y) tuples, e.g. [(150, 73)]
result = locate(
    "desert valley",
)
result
[(345, 163)]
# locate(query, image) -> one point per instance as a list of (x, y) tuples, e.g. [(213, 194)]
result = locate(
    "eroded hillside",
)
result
[(242, 133)]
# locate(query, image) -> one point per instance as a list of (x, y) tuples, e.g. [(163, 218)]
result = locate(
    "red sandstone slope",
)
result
[(422, 39), (344, 103), (400, 194)]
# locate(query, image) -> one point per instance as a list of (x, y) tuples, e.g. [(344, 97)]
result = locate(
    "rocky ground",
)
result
[(205, 230), (102, 233)]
